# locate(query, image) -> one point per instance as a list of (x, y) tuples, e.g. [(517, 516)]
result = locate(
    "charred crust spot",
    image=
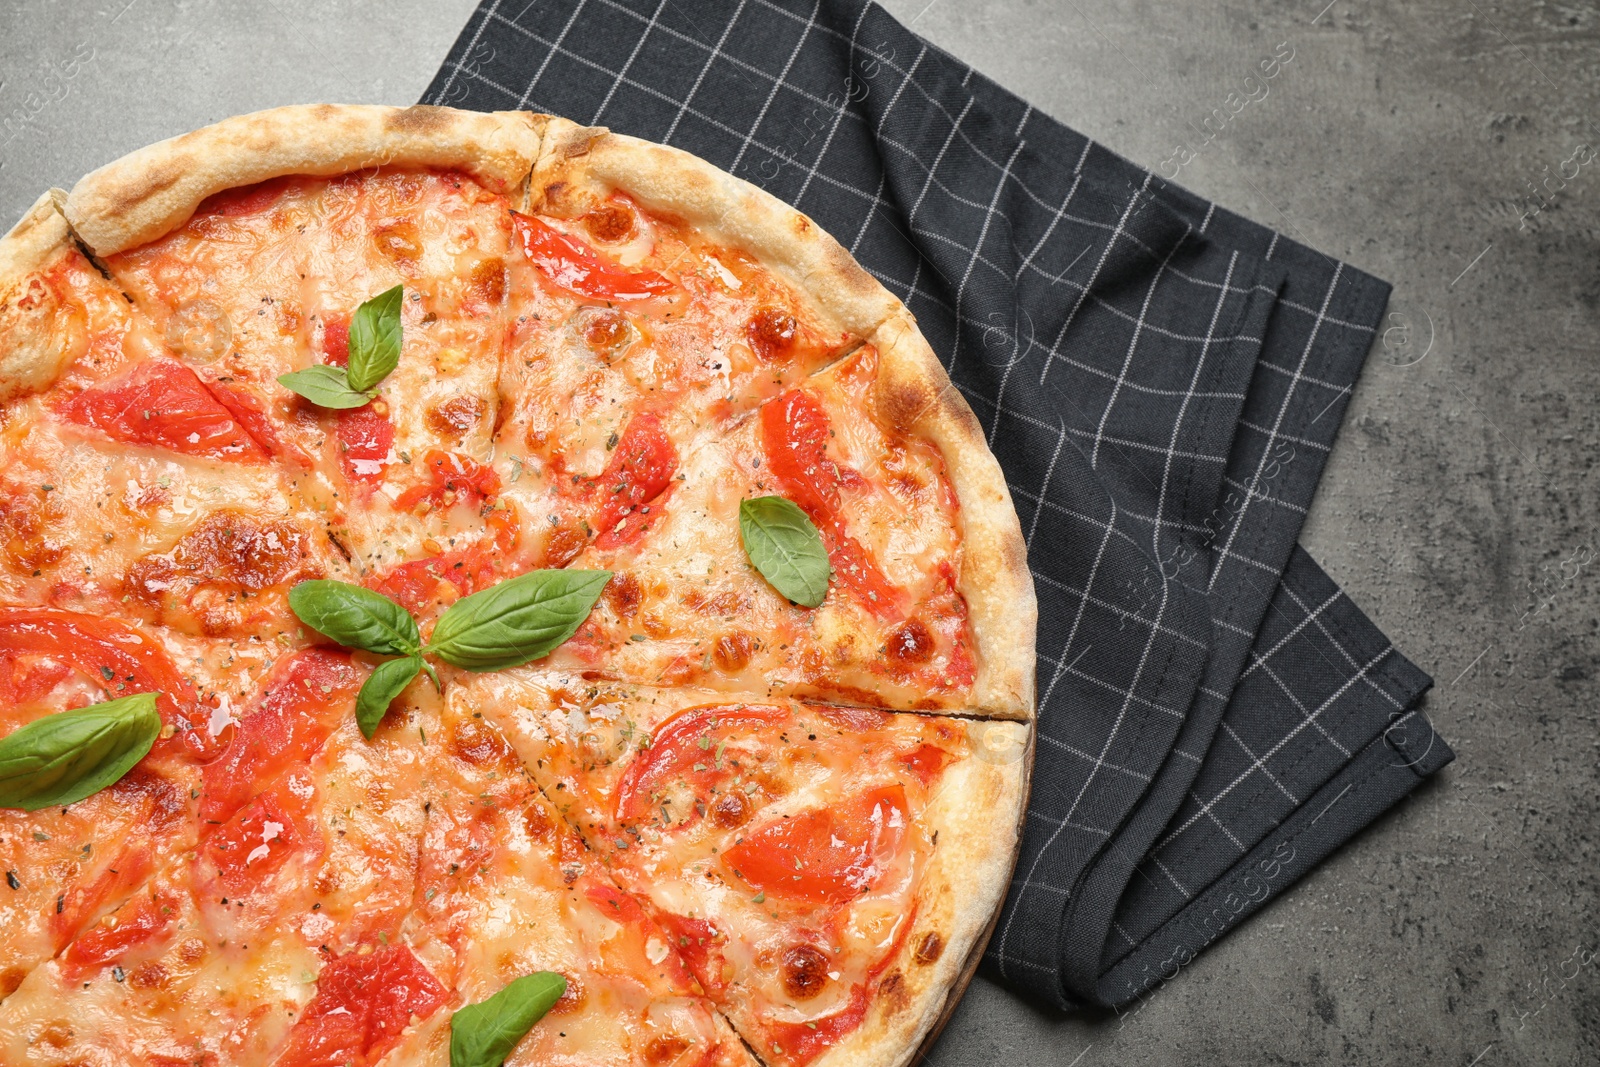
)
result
[(624, 594), (772, 333), (930, 948), (477, 743), (902, 402), (609, 222), (910, 643), (892, 993), (488, 281), (805, 971), (666, 1049), (731, 809), (149, 976), (400, 243), (421, 119), (603, 329), (191, 950), (456, 417), (10, 979), (733, 650)]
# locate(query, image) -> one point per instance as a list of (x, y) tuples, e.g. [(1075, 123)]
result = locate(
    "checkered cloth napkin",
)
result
[(1161, 380)]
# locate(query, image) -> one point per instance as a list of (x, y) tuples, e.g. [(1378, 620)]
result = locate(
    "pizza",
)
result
[(474, 589)]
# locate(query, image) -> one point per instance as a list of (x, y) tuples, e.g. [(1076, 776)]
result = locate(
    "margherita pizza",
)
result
[(479, 589)]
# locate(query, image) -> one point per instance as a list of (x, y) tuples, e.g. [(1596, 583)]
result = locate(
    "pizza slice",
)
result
[(258, 261), (929, 595), (824, 871), (292, 897), (505, 888)]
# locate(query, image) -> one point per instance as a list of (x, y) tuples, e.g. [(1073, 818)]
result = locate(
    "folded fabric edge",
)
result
[(1382, 774)]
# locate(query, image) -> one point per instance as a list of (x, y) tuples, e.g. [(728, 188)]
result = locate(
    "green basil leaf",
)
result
[(356, 617), (375, 339), (62, 758), (517, 620), (785, 547), (483, 1034), (324, 386), (380, 689)]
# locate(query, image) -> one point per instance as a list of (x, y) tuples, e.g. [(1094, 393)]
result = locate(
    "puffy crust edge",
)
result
[(577, 163), (150, 191), (977, 813), (914, 395), (28, 360)]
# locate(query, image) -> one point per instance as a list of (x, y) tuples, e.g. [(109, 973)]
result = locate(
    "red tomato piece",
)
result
[(684, 741), (794, 432), (80, 904), (336, 340), (801, 1043), (925, 761), (163, 403), (419, 583), (119, 659), (365, 436), (309, 693), (140, 922), (827, 855), (697, 941), (250, 412), (569, 264), (25, 682), (640, 468), (258, 839), (452, 477), (613, 903), (632, 527), (362, 1005)]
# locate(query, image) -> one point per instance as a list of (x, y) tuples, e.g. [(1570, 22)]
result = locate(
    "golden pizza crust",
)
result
[(149, 192), (914, 395), (976, 813), (579, 165), (31, 355)]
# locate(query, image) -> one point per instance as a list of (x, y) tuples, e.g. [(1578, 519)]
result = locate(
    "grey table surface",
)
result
[(1458, 509)]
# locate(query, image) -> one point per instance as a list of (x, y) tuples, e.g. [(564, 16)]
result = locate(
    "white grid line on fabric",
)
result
[(1172, 878), (472, 46), (1278, 746), (1231, 732), (838, 116), (699, 79), (1310, 616), (1299, 705), (811, 24), (1127, 359), (1201, 362), (1220, 825), (1087, 757), (1108, 606), (1317, 446), (655, 19), (983, 234), (1336, 643), (555, 49), (1283, 411)]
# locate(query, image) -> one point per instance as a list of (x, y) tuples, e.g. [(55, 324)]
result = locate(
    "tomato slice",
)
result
[(640, 468), (259, 838), (140, 922), (699, 943), (800, 1043), (249, 411), (452, 477), (336, 340), (925, 761), (365, 436), (419, 583), (569, 264), (119, 659), (686, 746), (22, 683), (81, 903), (826, 855), (362, 1004), (307, 696), (164, 403), (794, 432)]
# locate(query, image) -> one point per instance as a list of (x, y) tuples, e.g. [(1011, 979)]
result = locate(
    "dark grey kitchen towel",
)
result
[(1161, 380)]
